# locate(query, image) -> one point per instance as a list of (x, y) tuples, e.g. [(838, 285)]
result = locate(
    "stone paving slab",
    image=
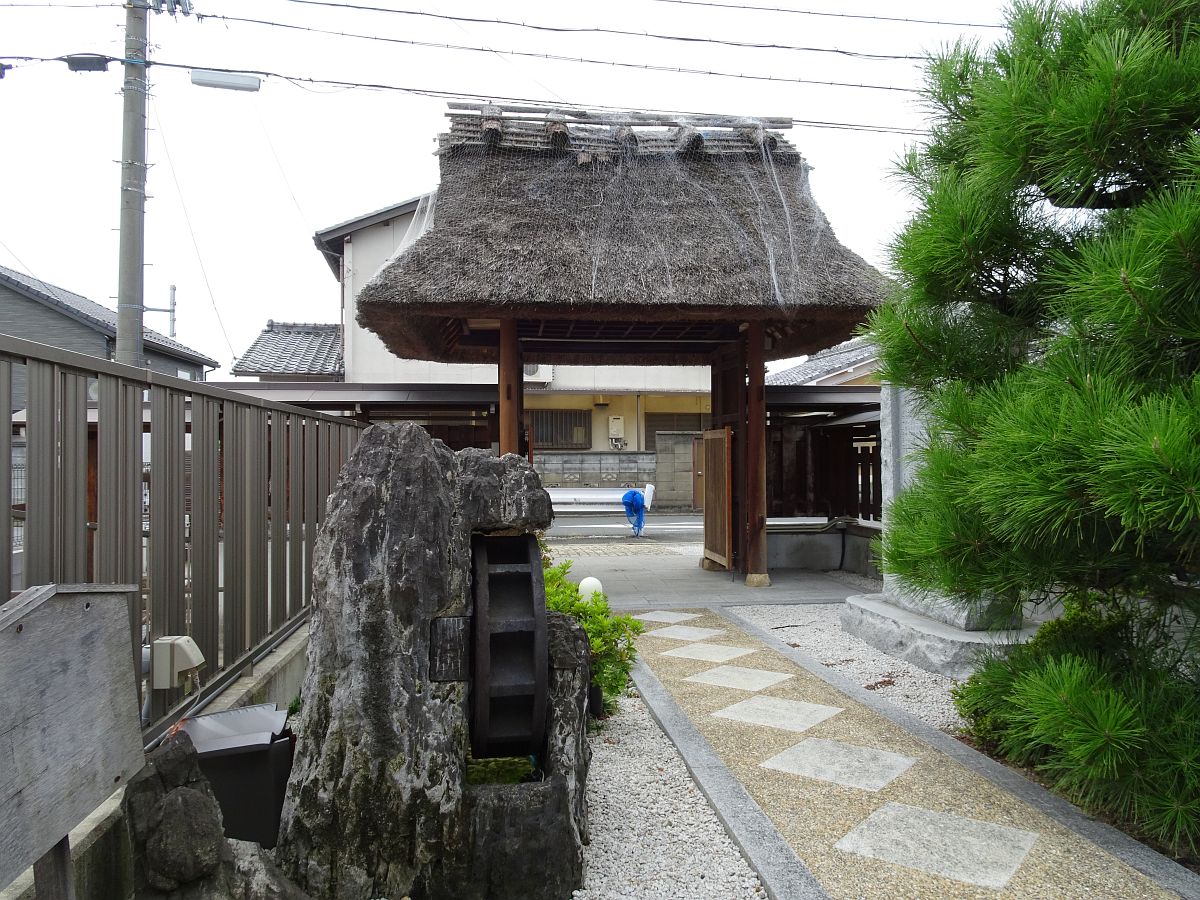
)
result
[(665, 615), (979, 853), (686, 633), (865, 768), (740, 678), (813, 815), (709, 652)]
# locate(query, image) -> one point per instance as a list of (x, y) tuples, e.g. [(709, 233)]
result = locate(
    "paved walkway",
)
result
[(829, 790)]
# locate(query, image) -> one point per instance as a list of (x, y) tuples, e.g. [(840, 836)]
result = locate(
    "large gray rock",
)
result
[(377, 805), (188, 842), (178, 841), (175, 822)]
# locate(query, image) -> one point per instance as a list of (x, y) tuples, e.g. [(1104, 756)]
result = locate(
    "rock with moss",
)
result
[(377, 804)]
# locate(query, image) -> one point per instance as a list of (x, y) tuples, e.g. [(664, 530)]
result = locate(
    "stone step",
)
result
[(920, 640)]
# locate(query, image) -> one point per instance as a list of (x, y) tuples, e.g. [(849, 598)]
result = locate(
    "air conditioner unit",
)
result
[(538, 373)]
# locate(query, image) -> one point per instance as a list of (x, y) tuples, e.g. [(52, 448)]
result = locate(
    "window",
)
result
[(656, 422), (185, 373), (561, 429)]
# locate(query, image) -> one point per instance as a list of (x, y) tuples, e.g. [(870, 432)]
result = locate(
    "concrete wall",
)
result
[(823, 552), (579, 469), (673, 470)]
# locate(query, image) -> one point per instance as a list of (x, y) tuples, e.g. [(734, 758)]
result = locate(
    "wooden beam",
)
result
[(510, 386), (756, 458), (559, 136), (534, 112), (688, 140)]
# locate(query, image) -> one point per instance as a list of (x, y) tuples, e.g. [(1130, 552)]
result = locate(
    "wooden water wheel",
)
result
[(509, 662)]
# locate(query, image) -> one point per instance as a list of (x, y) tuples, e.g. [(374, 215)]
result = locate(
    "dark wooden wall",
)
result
[(816, 471)]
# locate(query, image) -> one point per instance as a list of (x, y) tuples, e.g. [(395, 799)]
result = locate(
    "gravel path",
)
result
[(653, 833), (815, 630)]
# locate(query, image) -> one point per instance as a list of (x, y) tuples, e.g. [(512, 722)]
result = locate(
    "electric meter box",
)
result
[(616, 426)]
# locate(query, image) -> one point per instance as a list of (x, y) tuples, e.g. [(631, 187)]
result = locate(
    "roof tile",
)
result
[(294, 348), (96, 314)]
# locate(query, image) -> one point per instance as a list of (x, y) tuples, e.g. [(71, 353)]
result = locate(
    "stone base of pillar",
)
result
[(758, 579), (711, 565), (932, 645)]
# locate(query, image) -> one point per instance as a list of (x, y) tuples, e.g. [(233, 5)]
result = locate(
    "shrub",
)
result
[(609, 636), (1120, 739)]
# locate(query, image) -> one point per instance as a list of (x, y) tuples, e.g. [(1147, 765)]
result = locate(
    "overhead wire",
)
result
[(565, 29), (832, 15), (302, 80), (192, 231), (60, 5), (555, 57)]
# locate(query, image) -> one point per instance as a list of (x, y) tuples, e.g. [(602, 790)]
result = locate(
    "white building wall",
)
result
[(368, 360)]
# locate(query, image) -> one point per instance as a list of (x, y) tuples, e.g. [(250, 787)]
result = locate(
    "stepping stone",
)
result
[(685, 632), (978, 853), (775, 712), (708, 652), (662, 615), (846, 764), (740, 678)]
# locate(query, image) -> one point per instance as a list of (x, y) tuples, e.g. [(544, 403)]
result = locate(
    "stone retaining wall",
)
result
[(669, 469)]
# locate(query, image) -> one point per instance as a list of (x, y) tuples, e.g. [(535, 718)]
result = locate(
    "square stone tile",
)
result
[(979, 853), (775, 712), (846, 764), (686, 632), (665, 615), (740, 678), (708, 652)]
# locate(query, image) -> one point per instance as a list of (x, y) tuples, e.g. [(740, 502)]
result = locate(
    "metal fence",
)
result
[(236, 488)]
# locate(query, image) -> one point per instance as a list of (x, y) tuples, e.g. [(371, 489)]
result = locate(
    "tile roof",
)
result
[(294, 348), (825, 363), (91, 313)]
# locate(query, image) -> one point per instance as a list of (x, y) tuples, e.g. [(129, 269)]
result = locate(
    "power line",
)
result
[(680, 70), (833, 15), (562, 29), (192, 231), (302, 80)]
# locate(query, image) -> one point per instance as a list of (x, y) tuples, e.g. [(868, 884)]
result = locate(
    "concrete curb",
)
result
[(1168, 873), (782, 873)]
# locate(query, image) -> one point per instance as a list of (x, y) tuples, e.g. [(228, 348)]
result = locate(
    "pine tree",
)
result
[(1047, 314)]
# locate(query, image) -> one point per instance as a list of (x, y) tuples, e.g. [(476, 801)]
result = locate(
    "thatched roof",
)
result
[(618, 244)]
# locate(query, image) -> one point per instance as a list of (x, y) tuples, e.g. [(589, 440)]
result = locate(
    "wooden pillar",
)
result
[(510, 387), (755, 565)]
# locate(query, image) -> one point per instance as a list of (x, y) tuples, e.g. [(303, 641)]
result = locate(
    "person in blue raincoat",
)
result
[(635, 510)]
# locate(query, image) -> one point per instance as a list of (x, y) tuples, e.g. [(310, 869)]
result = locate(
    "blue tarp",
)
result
[(635, 510)]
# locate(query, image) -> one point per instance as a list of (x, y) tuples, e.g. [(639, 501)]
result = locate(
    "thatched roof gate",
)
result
[(574, 238)]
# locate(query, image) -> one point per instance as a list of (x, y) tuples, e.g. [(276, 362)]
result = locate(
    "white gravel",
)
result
[(815, 630), (653, 833)]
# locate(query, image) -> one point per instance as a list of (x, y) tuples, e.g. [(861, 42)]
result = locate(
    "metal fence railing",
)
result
[(208, 499)]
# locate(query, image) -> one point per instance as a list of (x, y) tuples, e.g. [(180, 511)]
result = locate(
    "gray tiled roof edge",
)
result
[(781, 871), (1166, 872), (824, 363), (95, 314)]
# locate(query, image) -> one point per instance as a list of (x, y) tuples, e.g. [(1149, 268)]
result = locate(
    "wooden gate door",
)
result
[(718, 496), (698, 473)]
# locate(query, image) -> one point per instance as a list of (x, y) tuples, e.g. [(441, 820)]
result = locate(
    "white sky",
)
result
[(258, 174)]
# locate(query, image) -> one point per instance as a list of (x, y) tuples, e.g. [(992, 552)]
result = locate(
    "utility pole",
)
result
[(131, 274)]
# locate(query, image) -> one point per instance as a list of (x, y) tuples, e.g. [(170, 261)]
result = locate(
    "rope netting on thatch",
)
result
[(545, 220)]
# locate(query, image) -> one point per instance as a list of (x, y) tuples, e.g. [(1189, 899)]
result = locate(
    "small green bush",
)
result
[(1110, 727), (610, 636)]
